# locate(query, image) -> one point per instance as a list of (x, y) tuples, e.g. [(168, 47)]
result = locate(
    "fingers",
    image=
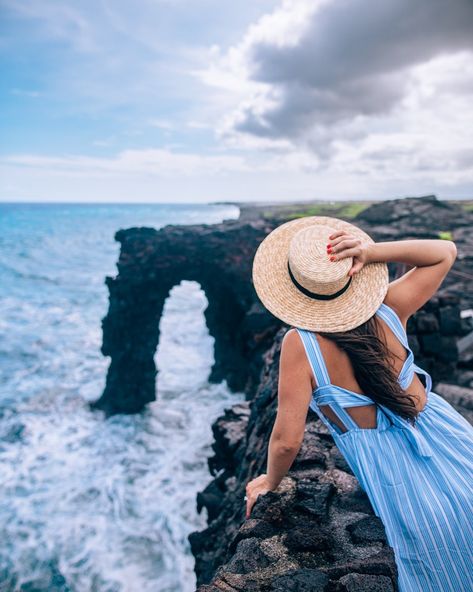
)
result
[(337, 233), (356, 268), (250, 502), (346, 248), (346, 253), (253, 489), (343, 242)]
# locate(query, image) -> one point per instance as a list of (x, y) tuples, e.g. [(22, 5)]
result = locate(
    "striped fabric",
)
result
[(418, 478)]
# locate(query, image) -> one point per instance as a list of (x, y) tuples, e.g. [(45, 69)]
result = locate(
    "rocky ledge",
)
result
[(318, 531)]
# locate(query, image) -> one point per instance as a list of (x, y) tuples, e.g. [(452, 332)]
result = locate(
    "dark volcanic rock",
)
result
[(249, 556), (229, 432), (364, 583), (254, 528), (318, 530), (367, 530), (305, 538), (151, 262), (415, 215), (314, 499), (301, 580)]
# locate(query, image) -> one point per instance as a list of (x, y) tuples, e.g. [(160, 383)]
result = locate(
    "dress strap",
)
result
[(319, 369), (392, 319), (315, 357), (428, 377)]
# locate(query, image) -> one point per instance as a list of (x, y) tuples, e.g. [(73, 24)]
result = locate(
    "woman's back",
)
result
[(340, 370)]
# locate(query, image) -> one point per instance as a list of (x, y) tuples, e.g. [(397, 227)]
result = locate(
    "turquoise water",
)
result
[(88, 503)]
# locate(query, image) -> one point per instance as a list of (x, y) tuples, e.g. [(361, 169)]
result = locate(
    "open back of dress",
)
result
[(339, 398)]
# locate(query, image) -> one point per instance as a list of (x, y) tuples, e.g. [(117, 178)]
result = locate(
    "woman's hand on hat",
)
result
[(343, 244)]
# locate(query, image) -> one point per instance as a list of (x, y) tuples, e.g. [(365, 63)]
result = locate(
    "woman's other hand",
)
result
[(254, 488), (343, 244)]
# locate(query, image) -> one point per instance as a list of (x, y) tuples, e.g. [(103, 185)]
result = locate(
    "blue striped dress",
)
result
[(419, 479)]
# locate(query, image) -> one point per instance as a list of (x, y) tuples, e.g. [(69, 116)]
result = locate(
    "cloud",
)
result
[(59, 22), (314, 67), (155, 175), (32, 94), (163, 124), (159, 162)]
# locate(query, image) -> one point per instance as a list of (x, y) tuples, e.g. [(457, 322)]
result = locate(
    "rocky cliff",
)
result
[(318, 532)]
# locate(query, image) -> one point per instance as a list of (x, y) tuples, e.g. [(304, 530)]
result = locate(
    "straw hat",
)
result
[(296, 281)]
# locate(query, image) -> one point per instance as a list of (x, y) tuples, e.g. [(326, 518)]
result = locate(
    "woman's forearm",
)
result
[(280, 459), (415, 252)]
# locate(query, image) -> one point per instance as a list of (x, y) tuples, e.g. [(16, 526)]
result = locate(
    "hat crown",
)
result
[(323, 297), (310, 264)]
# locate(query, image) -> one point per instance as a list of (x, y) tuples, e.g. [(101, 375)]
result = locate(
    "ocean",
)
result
[(89, 503)]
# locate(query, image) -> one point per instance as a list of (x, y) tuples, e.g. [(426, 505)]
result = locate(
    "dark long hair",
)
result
[(373, 369)]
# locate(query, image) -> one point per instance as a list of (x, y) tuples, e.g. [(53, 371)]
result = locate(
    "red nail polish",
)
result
[(332, 258)]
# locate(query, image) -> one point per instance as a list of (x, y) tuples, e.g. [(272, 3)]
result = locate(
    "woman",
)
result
[(347, 357)]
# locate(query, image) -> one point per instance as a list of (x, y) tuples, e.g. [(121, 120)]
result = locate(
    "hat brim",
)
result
[(285, 301)]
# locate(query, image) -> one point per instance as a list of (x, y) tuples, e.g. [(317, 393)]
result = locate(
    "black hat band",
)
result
[(314, 294)]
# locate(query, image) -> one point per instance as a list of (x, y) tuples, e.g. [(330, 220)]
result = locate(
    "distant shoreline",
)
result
[(240, 204), (250, 211)]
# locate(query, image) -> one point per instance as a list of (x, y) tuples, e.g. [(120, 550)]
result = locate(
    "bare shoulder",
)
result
[(292, 347), (294, 361), (292, 341)]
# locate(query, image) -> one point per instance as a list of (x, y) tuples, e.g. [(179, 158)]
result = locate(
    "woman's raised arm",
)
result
[(432, 259)]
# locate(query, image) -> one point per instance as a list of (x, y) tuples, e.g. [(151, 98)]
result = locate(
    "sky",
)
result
[(204, 100)]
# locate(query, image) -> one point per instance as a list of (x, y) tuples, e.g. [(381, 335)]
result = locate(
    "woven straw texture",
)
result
[(313, 269)]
